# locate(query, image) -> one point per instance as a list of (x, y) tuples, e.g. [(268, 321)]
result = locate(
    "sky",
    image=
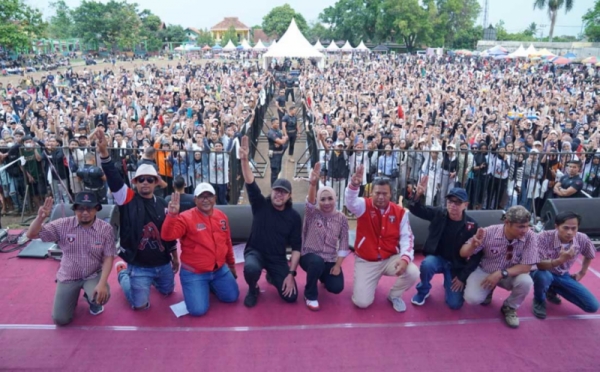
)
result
[(516, 14)]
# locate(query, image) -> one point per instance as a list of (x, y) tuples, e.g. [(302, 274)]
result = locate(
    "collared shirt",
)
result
[(549, 247), (496, 255), (322, 233), (84, 248)]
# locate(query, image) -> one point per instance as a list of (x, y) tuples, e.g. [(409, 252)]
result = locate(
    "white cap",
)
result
[(204, 187), (145, 170)]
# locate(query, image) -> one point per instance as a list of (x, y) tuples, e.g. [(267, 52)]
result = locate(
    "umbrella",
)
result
[(589, 60), (560, 61), (206, 47), (464, 52), (570, 55)]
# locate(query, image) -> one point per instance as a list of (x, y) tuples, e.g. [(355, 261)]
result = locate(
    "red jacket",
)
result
[(377, 235), (205, 240)]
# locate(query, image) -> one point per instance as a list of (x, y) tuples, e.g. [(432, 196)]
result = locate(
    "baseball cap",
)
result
[(537, 143), (204, 187), (145, 170), (87, 199), (458, 193), (282, 183)]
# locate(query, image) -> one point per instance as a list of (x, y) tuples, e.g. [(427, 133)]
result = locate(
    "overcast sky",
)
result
[(517, 14)]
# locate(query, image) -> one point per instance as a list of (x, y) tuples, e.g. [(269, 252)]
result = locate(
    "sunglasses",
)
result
[(148, 179), (509, 252), (81, 208)]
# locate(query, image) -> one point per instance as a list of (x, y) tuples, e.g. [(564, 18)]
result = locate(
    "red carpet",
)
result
[(276, 336)]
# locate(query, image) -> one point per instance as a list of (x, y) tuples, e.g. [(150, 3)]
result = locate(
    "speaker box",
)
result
[(587, 208), (109, 213)]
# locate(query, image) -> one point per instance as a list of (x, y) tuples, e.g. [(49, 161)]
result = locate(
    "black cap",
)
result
[(282, 183), (87, 199)]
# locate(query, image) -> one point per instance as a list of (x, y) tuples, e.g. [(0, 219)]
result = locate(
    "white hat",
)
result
[(204, 187), (145, 170)]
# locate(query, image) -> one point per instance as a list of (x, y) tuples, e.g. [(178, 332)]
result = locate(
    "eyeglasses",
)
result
[(454, 202), (205, 197), (148, 179), (509, 252)]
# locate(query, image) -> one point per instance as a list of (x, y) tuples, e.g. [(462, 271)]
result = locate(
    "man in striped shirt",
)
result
[(558, 250), (509, 251), (88, 247)]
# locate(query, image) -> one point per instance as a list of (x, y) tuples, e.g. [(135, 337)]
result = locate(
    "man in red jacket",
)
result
[(384, 243), (207, 261)]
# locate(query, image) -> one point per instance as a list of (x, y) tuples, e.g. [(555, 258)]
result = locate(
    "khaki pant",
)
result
[(519, 286), (67, 295), (367, 275)]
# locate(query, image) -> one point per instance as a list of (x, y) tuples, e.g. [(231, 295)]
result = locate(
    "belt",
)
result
[(278, 152), (93, 189)]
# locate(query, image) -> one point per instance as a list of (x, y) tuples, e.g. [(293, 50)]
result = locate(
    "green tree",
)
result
[(172, 34), (317, 31), (468, 38), (406, 21), (277, 21), (205, 38), (20, 24), (552, 7), (591, 21), (230, 34), (531, 30), (456, 15), (150, 31), (353, 20), (60, 25)]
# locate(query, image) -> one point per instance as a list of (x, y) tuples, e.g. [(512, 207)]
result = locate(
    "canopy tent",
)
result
[(206, 47), (347, 47), (560, 61), (361, 47), (497, 51), (544, 52), (333, 48), (589, 60), (463, 52), (260, 46), (570, 55), (292, 45), (531, 50), (245, 45), (188, 48), (381, 48), (217, 47), (519, 53), (273, 44), (318, 46), (229, 47)]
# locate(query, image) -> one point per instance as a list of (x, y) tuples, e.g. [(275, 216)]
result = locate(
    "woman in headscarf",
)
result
[(324, 241)]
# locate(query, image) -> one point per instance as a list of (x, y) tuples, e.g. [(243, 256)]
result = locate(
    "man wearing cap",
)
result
[(88, 247), (150, 259), (207, 263), (275, 225), (277, 144), (449, 228)]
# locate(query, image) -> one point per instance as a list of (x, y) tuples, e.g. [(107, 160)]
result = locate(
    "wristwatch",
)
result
[(293, 272), (504, 274)]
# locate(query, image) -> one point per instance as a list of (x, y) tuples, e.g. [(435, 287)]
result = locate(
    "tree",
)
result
[(553, 6), (61, 23), (317, 31), (205, 38), (20, 24), (591, 21), (172, 34), (468, 38), (406, 21), (277, 21), (352, 20), (230, 34), (456, 15), (531, 30)]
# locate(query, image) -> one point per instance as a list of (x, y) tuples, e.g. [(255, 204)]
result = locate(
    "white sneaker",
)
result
[(312, 305), (398, 304)]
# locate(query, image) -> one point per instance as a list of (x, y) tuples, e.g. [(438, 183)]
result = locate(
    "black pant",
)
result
[(276, 270), (288, 92), (319, 270), (275, 161), (292, 142)]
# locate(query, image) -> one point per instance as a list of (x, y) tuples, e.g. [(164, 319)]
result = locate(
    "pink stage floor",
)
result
[(275, 336)]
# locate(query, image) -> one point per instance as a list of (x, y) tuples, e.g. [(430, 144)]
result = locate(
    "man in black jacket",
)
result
[(449, 229), (151, 261)]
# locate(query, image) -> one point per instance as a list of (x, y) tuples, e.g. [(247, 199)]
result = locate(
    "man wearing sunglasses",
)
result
[(449, 229), (509, 252), (88, 247), (150, 259)]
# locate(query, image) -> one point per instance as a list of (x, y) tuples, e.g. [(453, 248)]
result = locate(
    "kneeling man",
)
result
[(384, 243), (559, 249), (88, 247), (207, 262)]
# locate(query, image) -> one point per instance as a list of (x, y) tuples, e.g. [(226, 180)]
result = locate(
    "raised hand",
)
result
[(315, 174), (174, 204), (46, 209), (357, 177), (422, 186), (101, 143), (244, 148), (479, 236)]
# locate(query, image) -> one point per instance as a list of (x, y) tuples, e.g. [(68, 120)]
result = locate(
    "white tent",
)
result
[(273, 44), (361, 47), (260, 46), (293, 45), (318, 46), (332, 47), (347, 47), (531, 50), (519, 53), (245, 45), (229, 47)]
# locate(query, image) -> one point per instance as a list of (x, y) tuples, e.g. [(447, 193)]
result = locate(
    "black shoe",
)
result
[(251, 298), (552, 297), (539, 309), (269, 280), (488, 299)]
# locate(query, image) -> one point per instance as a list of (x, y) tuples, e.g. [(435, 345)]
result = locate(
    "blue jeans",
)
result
[(566, 286), (136, 282), (432, 265), (196, 288)]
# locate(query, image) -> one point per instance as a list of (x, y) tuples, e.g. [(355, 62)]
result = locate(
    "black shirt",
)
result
[(449, 234), (280, 101), (576, 182), (272, 230), (151, 250)]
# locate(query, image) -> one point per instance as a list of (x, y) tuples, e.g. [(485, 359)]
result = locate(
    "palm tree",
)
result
[(553, 7)]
